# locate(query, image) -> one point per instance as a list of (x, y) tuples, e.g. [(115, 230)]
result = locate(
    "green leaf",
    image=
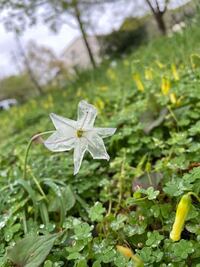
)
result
[(48, 263), (96, 212), (154, 239), (69, 197), (150, 192), (182, 248), (96, 264), (82, 263), (31, 251)]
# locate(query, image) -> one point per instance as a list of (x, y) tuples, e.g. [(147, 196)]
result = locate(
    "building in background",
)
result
[(75, 56)]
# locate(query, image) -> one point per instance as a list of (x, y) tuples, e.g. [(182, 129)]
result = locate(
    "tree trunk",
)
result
[(84, 35), (161, 23), (28, 67), (159, 15)]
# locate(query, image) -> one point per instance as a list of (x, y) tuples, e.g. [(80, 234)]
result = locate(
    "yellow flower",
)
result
[(175, 72), (127, 252), (138, 82), (159, 64), (148, 74), (173, 98), (181, 215), (99, 104), (165, 86)]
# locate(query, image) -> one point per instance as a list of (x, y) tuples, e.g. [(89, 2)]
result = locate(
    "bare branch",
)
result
[(151, 6)]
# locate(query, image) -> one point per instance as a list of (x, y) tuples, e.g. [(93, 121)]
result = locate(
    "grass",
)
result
[(131, 200)]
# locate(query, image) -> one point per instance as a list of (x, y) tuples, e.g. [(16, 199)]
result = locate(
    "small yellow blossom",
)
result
[(127, 252), (99, 104), (138, 82), (148, 74), (175, 72), (173, 98), (159, 64), (165, 86), (181, 215)]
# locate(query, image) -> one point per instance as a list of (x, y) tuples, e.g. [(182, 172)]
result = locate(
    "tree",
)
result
[(46, 65), (157, 7), (54, 13), (158, 13), (27, 66)]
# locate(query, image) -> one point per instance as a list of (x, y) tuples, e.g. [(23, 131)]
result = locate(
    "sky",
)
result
[(40, 33)]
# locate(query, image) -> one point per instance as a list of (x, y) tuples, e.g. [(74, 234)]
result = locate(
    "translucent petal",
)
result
[(58, 143), (79, 151), (86, 115), (96, 146), (64, 125), (105, 132)]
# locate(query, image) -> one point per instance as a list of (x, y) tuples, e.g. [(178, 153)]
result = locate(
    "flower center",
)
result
[(79, 133)]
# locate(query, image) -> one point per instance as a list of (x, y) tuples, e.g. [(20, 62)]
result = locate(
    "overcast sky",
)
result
[(58, 41)]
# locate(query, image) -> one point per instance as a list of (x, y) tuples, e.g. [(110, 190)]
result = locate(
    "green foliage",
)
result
[(31, 251), (122, 41), (18, 86), (130, 201)]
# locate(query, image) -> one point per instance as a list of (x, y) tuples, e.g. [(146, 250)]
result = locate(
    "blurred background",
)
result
[(46, 44)]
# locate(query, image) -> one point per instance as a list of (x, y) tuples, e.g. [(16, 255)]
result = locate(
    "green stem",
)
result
[(38, 185), (82, 202), (195, 195), (172, 114), (149, 178), (24, 222), (28, 148)]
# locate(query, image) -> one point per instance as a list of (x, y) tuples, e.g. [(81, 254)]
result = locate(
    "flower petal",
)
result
[(79, 151), (96, 146), (58, 143), (64, 125), (86, 115), (105, 132)]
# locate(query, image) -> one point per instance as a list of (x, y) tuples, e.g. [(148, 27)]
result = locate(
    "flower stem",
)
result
[(195, 195), (38, 184), (28, 148)]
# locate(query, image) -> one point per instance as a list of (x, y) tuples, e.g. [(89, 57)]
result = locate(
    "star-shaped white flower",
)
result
[(80, 135)]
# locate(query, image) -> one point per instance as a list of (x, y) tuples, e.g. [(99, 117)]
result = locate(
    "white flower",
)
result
[(80, 135)]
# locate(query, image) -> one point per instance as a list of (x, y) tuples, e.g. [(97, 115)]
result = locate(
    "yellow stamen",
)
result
[(79, 133)]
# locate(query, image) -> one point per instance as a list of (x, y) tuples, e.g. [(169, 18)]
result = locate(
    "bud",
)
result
[(165, 86), (173, 98), (175, 72), (148, 74), (181, 215), (138, 82), (127, 252), (37, 139)]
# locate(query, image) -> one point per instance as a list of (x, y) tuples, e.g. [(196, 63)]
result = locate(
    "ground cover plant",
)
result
[(139, 209)]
